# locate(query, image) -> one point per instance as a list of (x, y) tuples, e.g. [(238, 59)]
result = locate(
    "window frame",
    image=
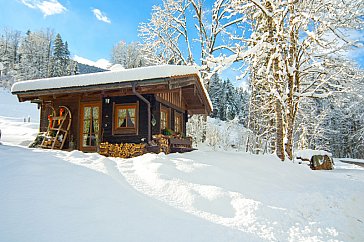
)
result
[(81, 125), (125, 130), (178, 115), (168, 121)]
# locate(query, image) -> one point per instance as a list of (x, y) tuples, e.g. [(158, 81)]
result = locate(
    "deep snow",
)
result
[(199, 196)]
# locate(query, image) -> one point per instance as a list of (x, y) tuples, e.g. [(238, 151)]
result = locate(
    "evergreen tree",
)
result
[(58, 47), (215, 90), (61, 64), (228, 101), (58, 57)]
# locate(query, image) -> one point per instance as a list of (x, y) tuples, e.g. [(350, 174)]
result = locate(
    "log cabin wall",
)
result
[(156, 115), (73, 104), (108, 119), (173, 102)]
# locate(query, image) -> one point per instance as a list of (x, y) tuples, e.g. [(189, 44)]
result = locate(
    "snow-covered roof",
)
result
[(109, 77)]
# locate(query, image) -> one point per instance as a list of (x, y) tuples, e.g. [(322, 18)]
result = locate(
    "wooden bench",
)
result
[(180, 144)]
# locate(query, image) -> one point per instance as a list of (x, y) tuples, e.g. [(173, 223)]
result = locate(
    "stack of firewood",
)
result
[(126, 150), (162, 142)]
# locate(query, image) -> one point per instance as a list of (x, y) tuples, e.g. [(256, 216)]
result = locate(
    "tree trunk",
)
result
[(279, 132), (293, 83), (289, 141)]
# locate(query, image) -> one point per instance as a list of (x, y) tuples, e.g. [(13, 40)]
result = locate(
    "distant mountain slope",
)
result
[(84, 69), (6, 81)]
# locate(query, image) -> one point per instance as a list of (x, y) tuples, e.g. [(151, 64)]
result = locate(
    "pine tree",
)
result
[(58, 57), (228, 101), (61, 64), (215, 90)]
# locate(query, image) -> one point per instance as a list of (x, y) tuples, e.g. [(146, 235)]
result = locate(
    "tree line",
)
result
[(34, 55)]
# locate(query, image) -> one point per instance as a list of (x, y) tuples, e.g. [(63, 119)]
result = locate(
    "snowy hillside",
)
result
[(199, 196), (10, 107), (85, 69), (14, 119)]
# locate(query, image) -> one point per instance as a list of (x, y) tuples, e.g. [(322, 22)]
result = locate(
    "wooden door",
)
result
[(90, 126)]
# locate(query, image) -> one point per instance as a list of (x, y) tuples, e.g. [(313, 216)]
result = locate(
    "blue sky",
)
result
[(91, 27)]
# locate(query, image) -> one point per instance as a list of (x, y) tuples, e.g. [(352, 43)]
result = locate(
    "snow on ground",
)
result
[(199, 196), (46, 198), (10, 107), (14, 118), (16, 131), (354, 160)]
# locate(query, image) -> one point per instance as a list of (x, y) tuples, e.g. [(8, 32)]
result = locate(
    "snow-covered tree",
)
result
[(128, 55), (224, 135), (290, 54), (9, 56), (32, 56), (335, 123), (60, 58), (35, 55), (187, 31), (228, 101)]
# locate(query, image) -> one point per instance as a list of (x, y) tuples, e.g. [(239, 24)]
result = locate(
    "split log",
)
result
[(126, 150)]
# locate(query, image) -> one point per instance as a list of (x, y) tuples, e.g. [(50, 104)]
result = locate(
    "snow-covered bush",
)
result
[(225, 135)]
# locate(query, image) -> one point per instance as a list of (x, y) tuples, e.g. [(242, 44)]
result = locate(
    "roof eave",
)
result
[(81, 89)]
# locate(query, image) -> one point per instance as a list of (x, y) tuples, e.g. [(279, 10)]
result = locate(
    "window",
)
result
[(126, 118), (164, 118), (90, 125), (178, 123)]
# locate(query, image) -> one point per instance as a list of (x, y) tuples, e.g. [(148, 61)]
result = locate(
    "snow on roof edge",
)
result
[(109, 77)]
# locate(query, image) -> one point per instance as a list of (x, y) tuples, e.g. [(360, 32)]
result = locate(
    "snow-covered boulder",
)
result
[(319, 159)]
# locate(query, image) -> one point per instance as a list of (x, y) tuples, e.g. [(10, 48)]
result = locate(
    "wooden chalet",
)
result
[(116, 107)]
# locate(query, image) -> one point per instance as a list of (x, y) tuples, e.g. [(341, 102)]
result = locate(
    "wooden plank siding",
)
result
[(74, 103), (172, 98)]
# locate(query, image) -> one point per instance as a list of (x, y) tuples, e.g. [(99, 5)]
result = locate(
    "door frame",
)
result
[(87, 104)]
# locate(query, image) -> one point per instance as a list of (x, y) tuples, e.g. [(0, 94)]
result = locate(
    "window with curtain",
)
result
[(126, 118)]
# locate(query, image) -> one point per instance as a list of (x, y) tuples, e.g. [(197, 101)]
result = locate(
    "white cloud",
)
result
[(29, 3), (101, 16), (48, 8), (101, 63)]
